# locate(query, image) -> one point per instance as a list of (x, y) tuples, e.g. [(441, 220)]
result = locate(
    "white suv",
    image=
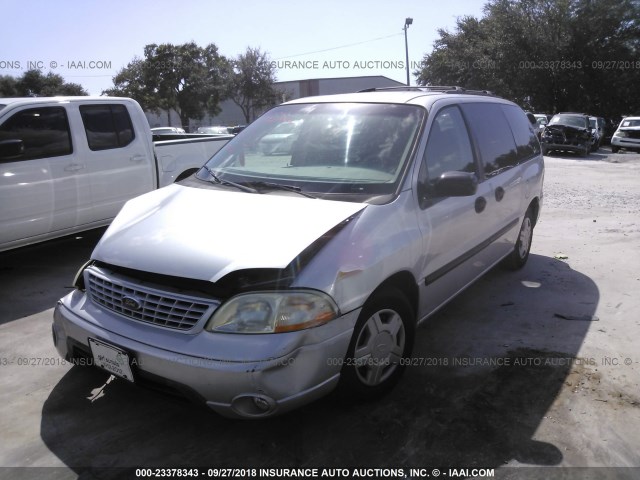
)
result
[(265, 281), (627, 135)]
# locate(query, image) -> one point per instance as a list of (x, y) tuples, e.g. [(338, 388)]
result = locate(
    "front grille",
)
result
[(144, 304), (633, 133)]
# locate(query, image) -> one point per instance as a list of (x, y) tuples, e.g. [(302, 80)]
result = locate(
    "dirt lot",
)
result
[(538, 368)]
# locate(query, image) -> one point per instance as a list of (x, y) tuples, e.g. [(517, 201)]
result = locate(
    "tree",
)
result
[(186, 78), (8, 86), (546, 55), (33, 83), (251, 83)]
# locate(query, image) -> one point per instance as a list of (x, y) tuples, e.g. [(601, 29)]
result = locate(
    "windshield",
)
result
[(630, 122), (570, 120), (347, 148)]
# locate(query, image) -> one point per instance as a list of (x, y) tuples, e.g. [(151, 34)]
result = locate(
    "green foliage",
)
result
[(251, 80), (187, 78), (33, 83), (8, 86), (546, 55)]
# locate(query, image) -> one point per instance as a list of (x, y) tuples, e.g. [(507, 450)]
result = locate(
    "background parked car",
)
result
[(167, 131), (237, 129), (627, 135), (542, 120), (597, 126), (215, 130), (569, 132)]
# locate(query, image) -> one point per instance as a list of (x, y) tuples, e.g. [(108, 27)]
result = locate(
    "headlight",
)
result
[(273, 312), (621, 134)]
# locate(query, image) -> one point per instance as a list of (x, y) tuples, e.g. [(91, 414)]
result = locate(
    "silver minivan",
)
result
[(265, 281)]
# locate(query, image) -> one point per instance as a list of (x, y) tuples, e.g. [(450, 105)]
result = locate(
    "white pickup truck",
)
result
[(69, 164)]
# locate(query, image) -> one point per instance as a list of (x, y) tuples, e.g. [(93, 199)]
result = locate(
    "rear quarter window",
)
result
[(526, 141), (493, 135)]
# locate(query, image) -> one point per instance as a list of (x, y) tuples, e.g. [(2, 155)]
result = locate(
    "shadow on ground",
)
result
[(489, 367), (38, 275)]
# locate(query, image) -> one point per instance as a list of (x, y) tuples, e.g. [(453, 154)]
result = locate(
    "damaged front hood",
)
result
[(566, 129), (205, 234)]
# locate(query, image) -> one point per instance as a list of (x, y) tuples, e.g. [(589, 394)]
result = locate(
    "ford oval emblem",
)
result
[(131, 303)]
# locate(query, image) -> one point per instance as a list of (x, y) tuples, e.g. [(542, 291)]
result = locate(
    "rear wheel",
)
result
[(380, 346), (520, 254)]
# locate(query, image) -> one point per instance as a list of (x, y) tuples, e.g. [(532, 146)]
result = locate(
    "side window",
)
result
[(494, 137), (526, 140), (44, 132), (448, 147), (107, 126)]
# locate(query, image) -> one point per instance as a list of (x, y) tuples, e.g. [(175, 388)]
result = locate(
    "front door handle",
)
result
[(73, 167), (481, 203), (137, 158)]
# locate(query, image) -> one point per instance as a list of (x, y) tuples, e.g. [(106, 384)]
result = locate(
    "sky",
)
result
[(89, 41)]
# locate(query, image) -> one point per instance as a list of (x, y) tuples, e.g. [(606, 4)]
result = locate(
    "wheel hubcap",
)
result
[(525, 237), (379, 347)]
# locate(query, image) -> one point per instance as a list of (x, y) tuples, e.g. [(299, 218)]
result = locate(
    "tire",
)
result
[(380, 347), (520, 254), (614, 149)]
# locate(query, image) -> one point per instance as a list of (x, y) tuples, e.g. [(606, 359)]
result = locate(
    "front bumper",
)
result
[(281, 371), (625, 142), (569, 147)]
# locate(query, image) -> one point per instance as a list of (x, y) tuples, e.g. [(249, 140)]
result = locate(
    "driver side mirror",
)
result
[(449, 184), (11, 149)]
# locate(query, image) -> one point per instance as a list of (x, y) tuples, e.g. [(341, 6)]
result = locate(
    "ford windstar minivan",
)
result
[(270, 278)]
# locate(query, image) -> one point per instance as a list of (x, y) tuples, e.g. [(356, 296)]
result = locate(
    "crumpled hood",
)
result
[(565, 128), (205, 234)]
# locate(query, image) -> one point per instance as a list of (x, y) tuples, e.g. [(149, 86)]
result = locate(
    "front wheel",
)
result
[(520, 254), (380, 347), (614, 149)]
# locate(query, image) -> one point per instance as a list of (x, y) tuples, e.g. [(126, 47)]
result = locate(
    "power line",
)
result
[(337, 48)]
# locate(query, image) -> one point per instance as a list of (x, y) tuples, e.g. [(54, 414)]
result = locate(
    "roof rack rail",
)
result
[(430, 88)]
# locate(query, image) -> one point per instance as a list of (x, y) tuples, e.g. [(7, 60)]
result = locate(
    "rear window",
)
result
[(107, 126)]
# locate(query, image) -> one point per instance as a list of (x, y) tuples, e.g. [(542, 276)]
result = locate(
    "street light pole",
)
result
[(407, 21)]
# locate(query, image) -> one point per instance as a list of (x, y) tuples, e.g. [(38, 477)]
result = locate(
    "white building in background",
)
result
[(231, 114)]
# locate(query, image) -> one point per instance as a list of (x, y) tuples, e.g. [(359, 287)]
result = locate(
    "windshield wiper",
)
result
[(229, 183), (277, 186)]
